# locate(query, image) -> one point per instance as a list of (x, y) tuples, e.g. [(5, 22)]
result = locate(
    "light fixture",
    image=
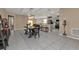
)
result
[(45, 21), (30, 22), (30, 17)]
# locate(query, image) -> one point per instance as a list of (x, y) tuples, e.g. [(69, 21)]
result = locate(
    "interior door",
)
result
[(11, 22)]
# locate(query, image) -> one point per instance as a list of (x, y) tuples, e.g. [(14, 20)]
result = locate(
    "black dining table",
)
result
[(32, 31)]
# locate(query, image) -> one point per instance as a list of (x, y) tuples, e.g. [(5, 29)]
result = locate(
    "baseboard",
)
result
[(73, 37), (19, 29), (70, 36)]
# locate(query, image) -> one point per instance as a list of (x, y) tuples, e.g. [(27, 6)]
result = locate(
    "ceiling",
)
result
[(38, 12)]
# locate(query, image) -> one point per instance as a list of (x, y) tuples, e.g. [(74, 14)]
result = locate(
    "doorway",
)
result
[(11, 22)]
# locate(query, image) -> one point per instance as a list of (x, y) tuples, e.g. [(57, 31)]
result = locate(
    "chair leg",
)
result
[(6, 42), (4, 45), (38, 34), (5, 48), (35, 34)]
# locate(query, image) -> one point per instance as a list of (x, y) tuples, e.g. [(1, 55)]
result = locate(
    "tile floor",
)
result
[(47, 41)]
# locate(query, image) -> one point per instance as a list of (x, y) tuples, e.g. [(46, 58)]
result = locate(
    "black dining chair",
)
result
[(36, 32)]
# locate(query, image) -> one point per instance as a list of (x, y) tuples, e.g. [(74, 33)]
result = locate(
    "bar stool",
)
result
[(2, 40)]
